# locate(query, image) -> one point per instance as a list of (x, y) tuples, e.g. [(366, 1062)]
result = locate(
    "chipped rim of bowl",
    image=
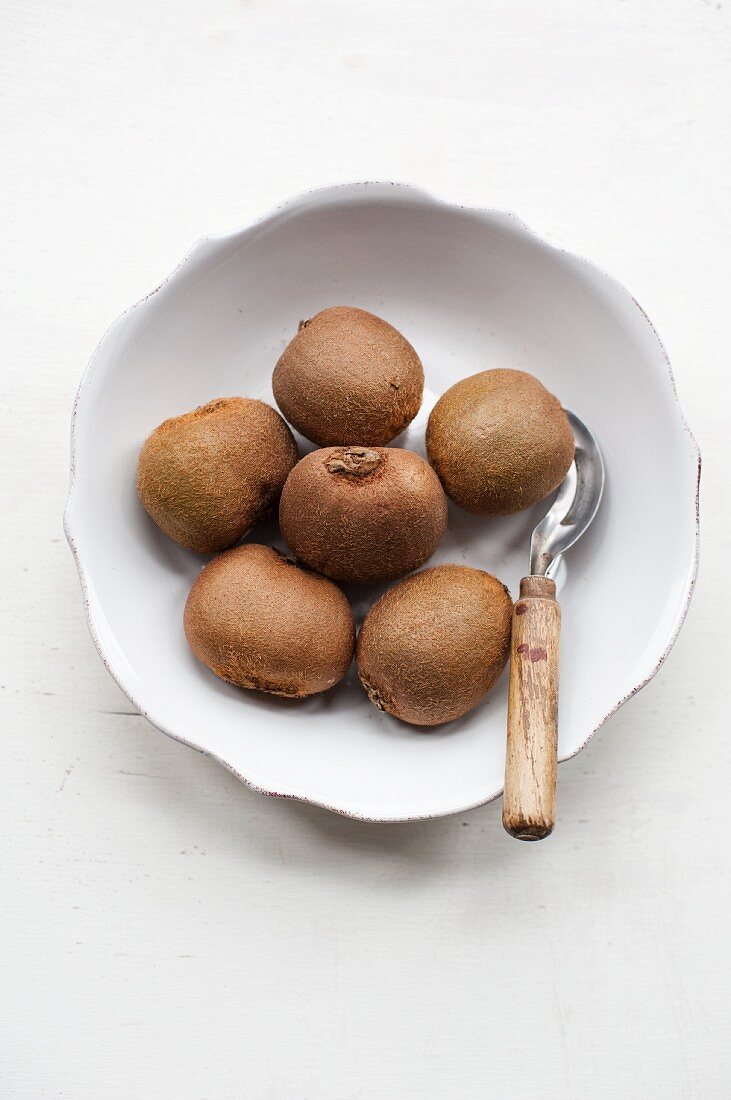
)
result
[(341, 191)]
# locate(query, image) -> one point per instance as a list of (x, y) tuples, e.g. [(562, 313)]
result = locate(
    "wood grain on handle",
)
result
[(529, 805)]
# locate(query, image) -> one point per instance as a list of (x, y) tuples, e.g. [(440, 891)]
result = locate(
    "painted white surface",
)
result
[(164, 931)]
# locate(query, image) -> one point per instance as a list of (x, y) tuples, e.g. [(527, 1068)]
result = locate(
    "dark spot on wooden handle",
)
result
[(538, 653), (521, 608), (523, 648)]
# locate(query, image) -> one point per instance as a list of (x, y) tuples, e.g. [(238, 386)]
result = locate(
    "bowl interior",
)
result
[(471, 291)]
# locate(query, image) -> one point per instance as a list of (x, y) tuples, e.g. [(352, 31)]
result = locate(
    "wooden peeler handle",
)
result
[(529, 804)]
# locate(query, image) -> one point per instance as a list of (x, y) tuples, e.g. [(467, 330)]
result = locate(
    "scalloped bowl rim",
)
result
[(401, 190)]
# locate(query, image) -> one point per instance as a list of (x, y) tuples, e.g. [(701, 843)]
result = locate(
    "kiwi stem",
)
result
[(356, 461)]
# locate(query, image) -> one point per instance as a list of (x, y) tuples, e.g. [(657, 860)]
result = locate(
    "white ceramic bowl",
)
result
[(471, 290)]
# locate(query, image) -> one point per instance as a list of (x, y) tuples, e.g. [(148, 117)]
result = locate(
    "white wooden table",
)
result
[(164, 932)]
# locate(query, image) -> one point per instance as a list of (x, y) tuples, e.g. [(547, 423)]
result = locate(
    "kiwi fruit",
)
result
[(348, 377), (362, 513), (499, 442), (257, 620), (432, 647), (209, 476)]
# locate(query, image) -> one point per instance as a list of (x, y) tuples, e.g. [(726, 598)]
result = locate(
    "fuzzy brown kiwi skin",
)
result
[(348, 376), (434, 645), (209, 476), (363, 514), (256, 619), (499, 442)]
